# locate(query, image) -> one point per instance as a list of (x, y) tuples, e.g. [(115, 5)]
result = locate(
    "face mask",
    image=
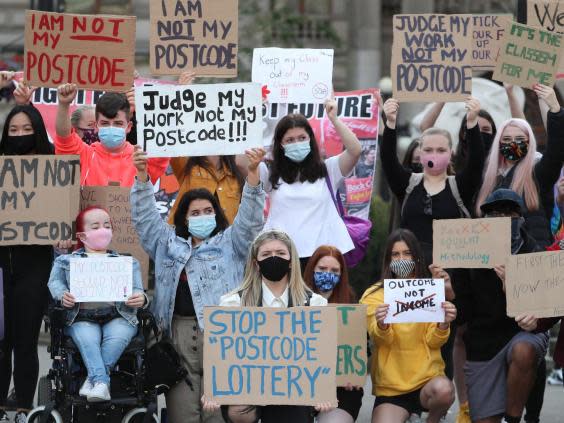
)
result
[(435, 164), (201, 227), (298, 151), (98, 239), (111, 137), (516, 238), (416, 167), (89, 136), (274, 268), (19, 145), (487, 139), (402, 268), (326, 281), (514, 151)]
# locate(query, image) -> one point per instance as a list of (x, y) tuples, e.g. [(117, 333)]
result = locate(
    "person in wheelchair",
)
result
[(101, 331)]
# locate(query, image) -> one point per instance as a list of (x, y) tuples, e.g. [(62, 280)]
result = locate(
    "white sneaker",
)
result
[(20, 417), (85, 388), (100, 392), (555, 377)]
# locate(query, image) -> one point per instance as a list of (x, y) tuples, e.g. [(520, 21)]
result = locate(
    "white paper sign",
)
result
[(199, 120), (103, 279), (294, 75), (414, 300)]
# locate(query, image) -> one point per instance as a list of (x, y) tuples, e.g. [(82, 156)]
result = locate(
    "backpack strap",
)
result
[(414, 180), (456, 194)]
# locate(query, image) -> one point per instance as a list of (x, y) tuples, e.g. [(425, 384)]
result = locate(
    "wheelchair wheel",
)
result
[(137, 415), (34, 416), (44, 391)]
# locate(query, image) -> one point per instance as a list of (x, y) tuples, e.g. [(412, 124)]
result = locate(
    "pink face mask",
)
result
[(435, 164), (98, 239)]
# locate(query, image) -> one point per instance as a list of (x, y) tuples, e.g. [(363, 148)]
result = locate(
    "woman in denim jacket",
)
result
[(100, 330), (197, 261)]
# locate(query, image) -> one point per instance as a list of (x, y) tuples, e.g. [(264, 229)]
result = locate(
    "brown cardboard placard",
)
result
[(39, 198), (432, 57), (534, 284), (352, 357), (270, 356), (528, 56), (115, 200), (199, 36), (547, 14), (487, 33), (471, 243), (93, 51)]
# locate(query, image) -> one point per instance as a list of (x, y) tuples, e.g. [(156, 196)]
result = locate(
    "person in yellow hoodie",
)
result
[(407, 368)]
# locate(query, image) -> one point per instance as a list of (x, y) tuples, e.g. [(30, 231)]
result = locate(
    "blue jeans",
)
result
[(101, 345)]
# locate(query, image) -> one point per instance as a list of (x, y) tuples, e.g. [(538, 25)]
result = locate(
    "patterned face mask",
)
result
[(514, 151), (326, 281), (402, 268)]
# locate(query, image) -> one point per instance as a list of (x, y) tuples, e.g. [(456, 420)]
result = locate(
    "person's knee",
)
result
[(443, 392), (524, 356), (242, 414)]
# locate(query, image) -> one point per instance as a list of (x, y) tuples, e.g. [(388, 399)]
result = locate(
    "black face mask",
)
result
[(19, 145), (487, 139), (416, 167), (274, 268), (516, 237)]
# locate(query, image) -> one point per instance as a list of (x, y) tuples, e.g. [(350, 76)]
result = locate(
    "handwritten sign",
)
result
[(432, 57), (103, 279), (39, 198), (352, 358), (269, 356), (471, 243), (414, 300), (534, 284), (294, 75), (487, 33), (115, 200), (92, 51), (528, 56), (199, 120), (198, 35), (547, 14)]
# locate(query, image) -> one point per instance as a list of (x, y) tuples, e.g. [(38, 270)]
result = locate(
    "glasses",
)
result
[(427, 205), (517, 140), (295, 140)]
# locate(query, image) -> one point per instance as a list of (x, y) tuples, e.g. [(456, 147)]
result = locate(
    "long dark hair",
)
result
[(42, 144), (227, 161), (414, 145), (311, 169), (180, 216), (461, 153)]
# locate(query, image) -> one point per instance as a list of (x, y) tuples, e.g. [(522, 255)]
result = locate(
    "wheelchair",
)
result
[(59, 402)]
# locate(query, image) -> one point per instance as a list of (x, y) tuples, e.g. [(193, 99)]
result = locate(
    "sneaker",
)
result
[(21, 417), (555, 377), (4, 416), (85, 388), (100, 392)]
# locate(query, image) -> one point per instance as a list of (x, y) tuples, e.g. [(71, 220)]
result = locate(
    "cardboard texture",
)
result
[(93, 51), (471, 243), (201, 36), (414, 300), (547, 14), (101, 279), (528, 56), (270, 356), (115, 200), (432, 57), (487, 33), (534, 284), (39, 198), (352, 357)]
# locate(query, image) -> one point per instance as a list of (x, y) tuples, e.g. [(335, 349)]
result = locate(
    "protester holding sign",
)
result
[(100, 330), (196, 261), (110, 159), (407, 367)]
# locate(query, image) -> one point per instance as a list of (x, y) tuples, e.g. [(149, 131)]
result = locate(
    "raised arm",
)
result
[(516, 109), (431, 116), (349, 157), (66, 94)]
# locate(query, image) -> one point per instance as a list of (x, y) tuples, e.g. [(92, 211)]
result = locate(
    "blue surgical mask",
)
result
[(111, 137), (201, 227), (326, 281), (297, 151)]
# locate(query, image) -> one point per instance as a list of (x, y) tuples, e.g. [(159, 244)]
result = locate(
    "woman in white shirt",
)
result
[(296, 181)]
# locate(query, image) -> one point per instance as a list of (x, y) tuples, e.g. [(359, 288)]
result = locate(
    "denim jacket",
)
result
[(60, 279), (214, 268)]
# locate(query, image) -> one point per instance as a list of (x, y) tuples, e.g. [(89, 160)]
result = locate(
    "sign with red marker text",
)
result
[(471, 243), (201, 36), (487, 33), (352, 357), (101, 279), (93, 51), (294, 75), (414, 300), (547, 14)]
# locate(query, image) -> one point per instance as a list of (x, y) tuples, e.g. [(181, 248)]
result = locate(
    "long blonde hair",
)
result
[(523, 182), (251, 287)]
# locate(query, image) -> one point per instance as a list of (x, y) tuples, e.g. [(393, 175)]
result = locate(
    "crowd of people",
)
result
[(218, 248)]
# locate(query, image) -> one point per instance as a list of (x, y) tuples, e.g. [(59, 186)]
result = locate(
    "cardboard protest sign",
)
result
[(528, 56), (92, 51), (432, 57), (39, 198), (270, 356), (115, 200), (534, 284), (352, 357), (293, 75), (487, 33), (102, 279), (414, 300), (199, 120), (547, 14), (194, 35), (471, 243)]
